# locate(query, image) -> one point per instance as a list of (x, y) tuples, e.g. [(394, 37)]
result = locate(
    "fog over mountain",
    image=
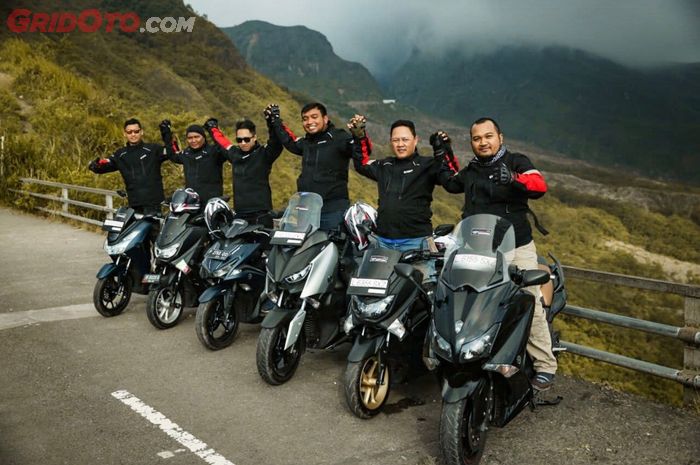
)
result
[(383, 34)]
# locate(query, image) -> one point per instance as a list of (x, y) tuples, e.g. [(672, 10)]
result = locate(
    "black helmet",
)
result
[(185, 200)]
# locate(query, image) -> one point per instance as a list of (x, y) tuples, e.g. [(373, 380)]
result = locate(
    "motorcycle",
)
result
[(382, 305), (175, 283), (478, 334), (233, 268), (306, 281), (128, 246)]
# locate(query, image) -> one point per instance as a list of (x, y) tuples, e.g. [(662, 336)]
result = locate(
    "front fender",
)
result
[(363, 348), (108, 270), (278, 316), (455, 394), (214, 292)]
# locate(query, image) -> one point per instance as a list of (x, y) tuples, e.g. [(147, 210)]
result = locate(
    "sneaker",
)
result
[(542, 381)]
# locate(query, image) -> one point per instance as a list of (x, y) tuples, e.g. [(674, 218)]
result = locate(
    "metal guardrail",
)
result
[(66, 201), (690, 333), (689, 377)]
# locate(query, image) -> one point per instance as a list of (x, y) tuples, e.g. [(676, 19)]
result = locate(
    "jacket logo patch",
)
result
[(143, 156), (322, 142), (198, 157), (407, 171)]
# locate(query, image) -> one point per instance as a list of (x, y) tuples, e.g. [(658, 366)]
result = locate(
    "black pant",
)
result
[(262, 217)]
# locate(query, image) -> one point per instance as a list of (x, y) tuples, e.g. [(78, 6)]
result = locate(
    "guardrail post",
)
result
[(691, 355), (64, 195), (108, 204)]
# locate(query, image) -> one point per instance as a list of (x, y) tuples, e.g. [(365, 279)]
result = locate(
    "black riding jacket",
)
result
[(251, 172), (405, 188), (139, 166), (324, 166), (482, 195), (203, 169)]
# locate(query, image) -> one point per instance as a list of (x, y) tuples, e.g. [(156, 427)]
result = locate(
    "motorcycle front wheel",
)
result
[(461, 439), (363, 393), (111, 295), (164, 306), (216, 325), (276, 365)]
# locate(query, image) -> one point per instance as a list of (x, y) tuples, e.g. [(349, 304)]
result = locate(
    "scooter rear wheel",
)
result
[(216, 326), (164, 307), (111, 295), (363, 392), (461, 439)]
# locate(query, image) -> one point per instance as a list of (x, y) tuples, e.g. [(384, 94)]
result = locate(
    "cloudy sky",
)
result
[(382, 33)]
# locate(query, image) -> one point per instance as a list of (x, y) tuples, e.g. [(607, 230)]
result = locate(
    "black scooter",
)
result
[(388, 318), (179, 247), (128, 246), (478, 334), (234, 269)]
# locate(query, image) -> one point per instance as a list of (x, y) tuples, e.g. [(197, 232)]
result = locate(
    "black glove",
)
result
[(503, 175), (94, 164), (357, 126), (165, 131), (440, 142), (272, 113), (211, 123)]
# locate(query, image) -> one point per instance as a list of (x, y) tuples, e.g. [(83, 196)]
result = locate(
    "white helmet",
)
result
[(217, 214), (360, 220), (184, 200)]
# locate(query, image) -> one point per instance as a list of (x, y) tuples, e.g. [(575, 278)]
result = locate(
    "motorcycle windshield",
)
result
[(483, 248), (372, 277), (303, 213), (173, 227)]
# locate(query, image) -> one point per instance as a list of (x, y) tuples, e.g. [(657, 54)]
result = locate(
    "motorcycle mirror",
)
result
[(534, 277), (404, 270)]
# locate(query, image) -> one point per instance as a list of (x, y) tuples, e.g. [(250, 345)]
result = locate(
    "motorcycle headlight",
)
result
[(167, 252), (439, 345), (374, 309), (224, 270), (123, 245), (479, 346), (296, 277)]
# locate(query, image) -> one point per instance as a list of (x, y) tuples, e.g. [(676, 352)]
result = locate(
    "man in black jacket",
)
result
[(501, 182), (405, 184), (139, 165), (202, 162), (252, 163), (326, 152)]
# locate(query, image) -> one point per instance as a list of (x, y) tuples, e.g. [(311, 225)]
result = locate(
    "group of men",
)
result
[(495, 181)]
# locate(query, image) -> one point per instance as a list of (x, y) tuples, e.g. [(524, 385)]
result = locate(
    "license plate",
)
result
[(150, 278), (112, 225), (219, 254)]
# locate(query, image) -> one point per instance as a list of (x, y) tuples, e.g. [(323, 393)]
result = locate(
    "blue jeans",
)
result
[(402, 245), (331, 220), (427, 267)]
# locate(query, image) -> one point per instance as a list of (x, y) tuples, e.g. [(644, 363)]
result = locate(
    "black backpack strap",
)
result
[(539, 226)]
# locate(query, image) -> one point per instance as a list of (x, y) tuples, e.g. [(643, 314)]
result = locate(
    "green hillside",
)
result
[(63, 99)]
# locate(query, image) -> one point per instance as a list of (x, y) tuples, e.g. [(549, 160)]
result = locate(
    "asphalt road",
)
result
[(77, 388)]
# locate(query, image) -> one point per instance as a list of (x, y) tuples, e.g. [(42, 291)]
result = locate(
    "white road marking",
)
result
[(28, 317), (200, 448)]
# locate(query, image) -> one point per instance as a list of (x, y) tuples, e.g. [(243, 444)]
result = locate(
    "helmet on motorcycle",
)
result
[(360, 220), (185, 200), (217, 214)]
